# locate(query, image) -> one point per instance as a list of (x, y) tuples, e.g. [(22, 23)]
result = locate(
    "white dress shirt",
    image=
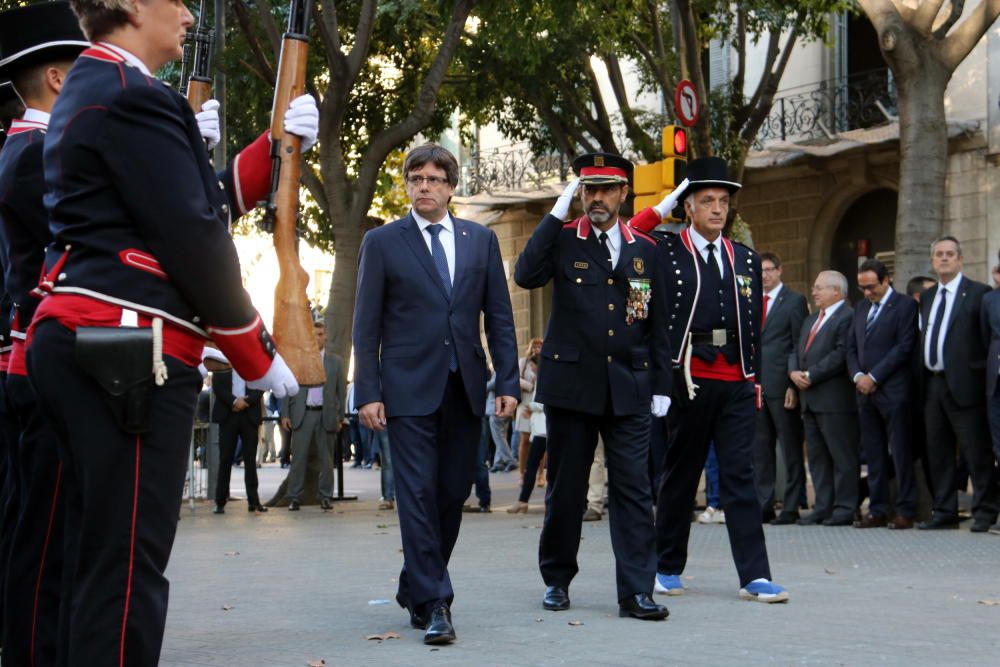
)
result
[(951, 287), (881, 306), (36, 117), (614, 242), (701, 245), (314, 399), (771, 296), (447, 236)]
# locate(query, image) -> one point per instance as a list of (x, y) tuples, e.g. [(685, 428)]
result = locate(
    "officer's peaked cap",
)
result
[(602, 168), (39, 33)]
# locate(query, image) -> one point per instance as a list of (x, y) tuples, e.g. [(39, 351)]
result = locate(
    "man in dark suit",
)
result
[(954, 354), (818, 367), (420, 369), (990, 323), (238, 410), (605, 367), (314, 417), (779, 418), (879, 350)]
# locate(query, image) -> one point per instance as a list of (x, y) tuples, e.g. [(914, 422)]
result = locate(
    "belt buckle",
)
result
[(719, 337)]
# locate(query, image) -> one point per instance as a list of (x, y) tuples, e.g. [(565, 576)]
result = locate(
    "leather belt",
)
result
[(937, 374), (715, 337), (314, 407)]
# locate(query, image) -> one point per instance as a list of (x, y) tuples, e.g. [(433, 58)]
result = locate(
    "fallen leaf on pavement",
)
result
[(227, 607), (990, 603), (829, 571), (231, 553), (576, 622), (316, 663), (539, 620), (384, 636)]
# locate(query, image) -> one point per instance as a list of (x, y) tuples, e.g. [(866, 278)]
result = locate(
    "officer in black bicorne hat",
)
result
[(38, 44), (605, 367), (716, 297)]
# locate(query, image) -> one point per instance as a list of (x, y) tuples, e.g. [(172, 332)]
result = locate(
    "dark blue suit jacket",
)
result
[(403, 318), (989, 320), (886, 351)]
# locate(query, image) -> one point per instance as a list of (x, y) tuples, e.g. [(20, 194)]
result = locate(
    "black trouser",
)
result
[(535, 454), (947, 422), (885, 442), (723, 413), (122, 498), (775, 423), (34, 568), (572, 439), (434, 464), (994, 416), (238, 426), (9, 505)]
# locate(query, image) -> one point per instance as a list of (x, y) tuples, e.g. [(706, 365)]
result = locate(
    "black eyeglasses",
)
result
[(433, 181)]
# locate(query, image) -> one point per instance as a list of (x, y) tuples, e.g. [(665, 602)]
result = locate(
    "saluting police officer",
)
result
[(141, 272), (605, 359), (715, 306), (38, 45)]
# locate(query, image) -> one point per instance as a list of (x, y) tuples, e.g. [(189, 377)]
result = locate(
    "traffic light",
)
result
[(655, 181)]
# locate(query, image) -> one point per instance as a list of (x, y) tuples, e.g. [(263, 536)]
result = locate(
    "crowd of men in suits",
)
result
[(903, 382)]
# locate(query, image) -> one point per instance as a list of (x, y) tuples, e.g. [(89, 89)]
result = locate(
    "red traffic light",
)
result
[(680, 142)]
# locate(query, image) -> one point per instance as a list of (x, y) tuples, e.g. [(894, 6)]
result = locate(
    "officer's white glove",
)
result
[(278, 379), (302, 120), (670, 201), (208, 123), (561, 209), (660, 406)]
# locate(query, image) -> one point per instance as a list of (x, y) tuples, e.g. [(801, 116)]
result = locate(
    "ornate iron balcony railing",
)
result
[(511, 167), (826, 108)]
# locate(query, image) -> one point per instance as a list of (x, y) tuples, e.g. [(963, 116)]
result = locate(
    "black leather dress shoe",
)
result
[(325, 504), (293, 506), (556, 598), (416, 620), (641, 606), (767, 515), (982, 524), (784, 519), (939, 522), (256, 508), (219, 509), (846, 520), (439, 627), (811, 520)]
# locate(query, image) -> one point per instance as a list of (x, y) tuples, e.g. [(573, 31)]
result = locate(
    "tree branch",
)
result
[(647, 55), (271, 28), (362, 40), (315, 187), (927, 11), (773, 49), (266, 71), (957, 6), (325, 18), (741, 52), (385, 141), (960, 43), (586, 120), (768, 88), (640, 140)]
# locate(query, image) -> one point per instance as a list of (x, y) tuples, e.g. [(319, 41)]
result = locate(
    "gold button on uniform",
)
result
[(611, 281), (609, 358), (579, 280), (555, 356), (611, 332), (611, 306)]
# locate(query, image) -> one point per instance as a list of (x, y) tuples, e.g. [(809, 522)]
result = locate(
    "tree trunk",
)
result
[(923, 143)]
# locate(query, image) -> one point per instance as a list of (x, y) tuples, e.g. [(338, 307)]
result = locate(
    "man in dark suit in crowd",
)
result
[(818, 367), (879, 349), (238, 411), (954, 355), (990, 322), (779, 418), (605, 368), (314, 417), (420, 369)]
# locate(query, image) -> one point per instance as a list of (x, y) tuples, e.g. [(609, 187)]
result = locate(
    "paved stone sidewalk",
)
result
[(298, 588)]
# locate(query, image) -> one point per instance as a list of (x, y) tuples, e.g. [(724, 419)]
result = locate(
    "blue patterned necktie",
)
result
[(441, 264), (872, 314), (437, 254)]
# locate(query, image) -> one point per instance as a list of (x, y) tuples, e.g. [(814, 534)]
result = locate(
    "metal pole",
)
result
[(220, 80)]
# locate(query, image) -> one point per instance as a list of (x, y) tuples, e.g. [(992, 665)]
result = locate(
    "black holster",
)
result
[(121, 361)]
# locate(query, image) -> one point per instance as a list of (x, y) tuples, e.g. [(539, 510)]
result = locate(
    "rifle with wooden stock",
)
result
[(199, 83), (293, 326)]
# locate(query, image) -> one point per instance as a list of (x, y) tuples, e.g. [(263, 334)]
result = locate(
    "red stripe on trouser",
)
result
[(41, 564), (131, 551)]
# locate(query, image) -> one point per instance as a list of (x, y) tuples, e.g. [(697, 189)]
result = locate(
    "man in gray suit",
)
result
[(818, 368), (779, 418), (314, 417)]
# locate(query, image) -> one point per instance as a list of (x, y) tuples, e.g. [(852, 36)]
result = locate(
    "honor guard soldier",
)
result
[(605, 359), (38, 45), (715, 310), (141, 272)]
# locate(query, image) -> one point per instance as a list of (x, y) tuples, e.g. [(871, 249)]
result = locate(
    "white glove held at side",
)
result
[(667, 205), (561, 208), (278, 379), (660, 406), (302, 120), (208, 123)]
